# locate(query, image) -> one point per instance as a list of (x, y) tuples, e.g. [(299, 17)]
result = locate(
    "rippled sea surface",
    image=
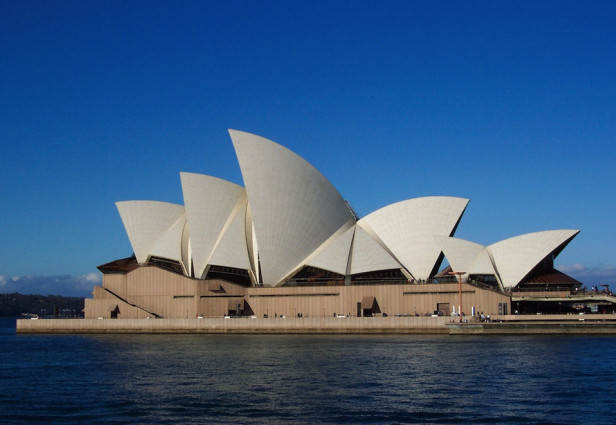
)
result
[(282, 379)]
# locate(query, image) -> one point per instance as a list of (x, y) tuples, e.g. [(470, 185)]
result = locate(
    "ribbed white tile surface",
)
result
[(482, 264), (335, 256), (170, 244), (232, 251), (186, 257), (290, 216), (465, 256), (294, 207), (368, 255), (407, 228), (147, 222), (516, 257), (459, 252), (209, 202)]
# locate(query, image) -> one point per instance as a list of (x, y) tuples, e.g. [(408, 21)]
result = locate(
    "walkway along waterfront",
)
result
[(510, 324)]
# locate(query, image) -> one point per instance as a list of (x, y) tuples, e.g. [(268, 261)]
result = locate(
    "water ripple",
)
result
[(283, 379)]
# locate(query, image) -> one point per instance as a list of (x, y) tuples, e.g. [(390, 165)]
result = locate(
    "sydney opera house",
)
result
[(288, 244)]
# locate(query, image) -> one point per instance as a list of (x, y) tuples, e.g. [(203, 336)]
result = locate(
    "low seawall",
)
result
[(599, 324), (534, 328), (305, 325)]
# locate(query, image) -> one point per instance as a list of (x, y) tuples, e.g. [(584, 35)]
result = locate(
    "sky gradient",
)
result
[(509, 104)]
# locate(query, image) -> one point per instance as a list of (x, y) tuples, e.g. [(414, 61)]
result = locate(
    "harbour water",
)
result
[(282, 379)]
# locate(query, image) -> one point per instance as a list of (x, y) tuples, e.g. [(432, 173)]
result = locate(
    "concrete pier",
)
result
[(534, 328), (596, 324), (244, 325)]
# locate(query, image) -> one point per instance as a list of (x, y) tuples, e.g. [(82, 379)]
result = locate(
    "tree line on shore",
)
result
[(20, 305)]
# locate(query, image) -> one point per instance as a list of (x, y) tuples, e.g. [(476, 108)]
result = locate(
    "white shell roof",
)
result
[(368, 255), (232, 251), (295, 209), (407, 229), (153, 226), (186, 257), (169, 245), (209, 202), (459, 253), (335, 256), (465, 256), (289, 215), (516, 257)]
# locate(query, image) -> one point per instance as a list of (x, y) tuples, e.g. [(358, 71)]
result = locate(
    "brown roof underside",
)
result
[(123, 265), (551, 276)]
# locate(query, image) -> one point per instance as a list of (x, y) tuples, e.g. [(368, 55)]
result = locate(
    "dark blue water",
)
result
[(279, 379)]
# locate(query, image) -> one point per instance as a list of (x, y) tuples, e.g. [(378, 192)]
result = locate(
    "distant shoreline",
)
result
[(18, 305)]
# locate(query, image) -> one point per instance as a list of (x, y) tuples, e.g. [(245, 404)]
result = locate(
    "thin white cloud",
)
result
[(571, 268), (67, 285), (92, 277), (590, 276)]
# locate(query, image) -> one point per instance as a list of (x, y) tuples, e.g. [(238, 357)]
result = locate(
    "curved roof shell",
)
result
[(368, 255), (209, 203), (295, 209), (516, 257), (153, 228), (169, 244), (232, 251), (289, 216), (334, 256), (407, 230), (465, 256)]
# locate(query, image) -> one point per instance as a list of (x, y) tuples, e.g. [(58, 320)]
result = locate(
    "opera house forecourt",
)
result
[(289, 252)]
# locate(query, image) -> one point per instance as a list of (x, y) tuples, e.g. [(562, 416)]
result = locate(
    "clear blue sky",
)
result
[(510, 104)]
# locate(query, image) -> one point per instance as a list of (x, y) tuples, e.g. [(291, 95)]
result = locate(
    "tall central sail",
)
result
[(294, 207)]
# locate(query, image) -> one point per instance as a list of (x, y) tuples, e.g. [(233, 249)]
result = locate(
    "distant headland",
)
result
[(51, 306)]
